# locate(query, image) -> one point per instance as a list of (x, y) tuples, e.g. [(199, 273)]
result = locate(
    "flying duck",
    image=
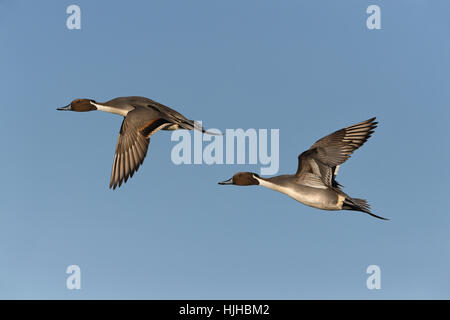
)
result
[(314, 182), (142, 118)]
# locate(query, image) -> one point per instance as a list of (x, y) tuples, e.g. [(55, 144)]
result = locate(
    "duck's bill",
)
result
[(229, 181), (68, 107)]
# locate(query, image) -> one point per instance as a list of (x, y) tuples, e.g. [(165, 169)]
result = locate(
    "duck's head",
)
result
[(243, 179), (79, 105)]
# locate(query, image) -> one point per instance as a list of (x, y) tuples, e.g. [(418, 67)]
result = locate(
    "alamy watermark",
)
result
[(234, 146), (374, 280), (374, 20), (74, 20), (73, 281)]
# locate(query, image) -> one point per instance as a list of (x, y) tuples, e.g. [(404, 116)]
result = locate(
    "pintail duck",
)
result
[(314, 183), (142, 118)]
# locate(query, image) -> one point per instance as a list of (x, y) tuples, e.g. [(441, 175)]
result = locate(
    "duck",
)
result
[(314, 184), (143, 117)]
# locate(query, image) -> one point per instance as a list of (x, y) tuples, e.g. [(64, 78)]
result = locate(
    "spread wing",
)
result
[(325, 156), (132, 144)]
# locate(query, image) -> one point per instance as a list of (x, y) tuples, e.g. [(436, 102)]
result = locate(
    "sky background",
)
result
[(307, 68)]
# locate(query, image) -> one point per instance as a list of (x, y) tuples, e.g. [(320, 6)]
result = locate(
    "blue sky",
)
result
[(307, 68)]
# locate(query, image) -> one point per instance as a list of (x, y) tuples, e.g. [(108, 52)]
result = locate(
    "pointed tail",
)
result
[(359, 205), (196, 126)]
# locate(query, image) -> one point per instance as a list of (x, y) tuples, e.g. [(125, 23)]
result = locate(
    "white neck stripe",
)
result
[(121, 112)]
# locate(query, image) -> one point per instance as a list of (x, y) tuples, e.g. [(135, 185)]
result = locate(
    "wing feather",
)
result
[(325, 156), (132, 145)]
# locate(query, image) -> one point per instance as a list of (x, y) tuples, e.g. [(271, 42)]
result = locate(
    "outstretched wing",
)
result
[(132, 145), (324, 157)]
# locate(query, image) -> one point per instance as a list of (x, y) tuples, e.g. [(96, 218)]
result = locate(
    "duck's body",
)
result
[(314, 183), (321, 198), (142, 118)]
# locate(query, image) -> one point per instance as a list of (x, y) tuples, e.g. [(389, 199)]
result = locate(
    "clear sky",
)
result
[(307, 68)]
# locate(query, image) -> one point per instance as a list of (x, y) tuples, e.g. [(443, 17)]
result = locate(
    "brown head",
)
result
[(243, 179), (79, 105)]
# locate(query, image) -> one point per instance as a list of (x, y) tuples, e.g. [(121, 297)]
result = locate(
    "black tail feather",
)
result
[(359, 205), (193, 125)]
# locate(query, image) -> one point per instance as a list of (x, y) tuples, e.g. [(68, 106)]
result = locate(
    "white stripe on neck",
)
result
[(270, 185), (121, 112)]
